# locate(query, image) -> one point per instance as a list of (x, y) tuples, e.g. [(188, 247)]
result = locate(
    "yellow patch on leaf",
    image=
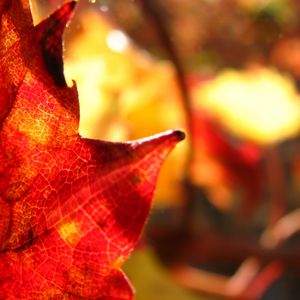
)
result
[(70, 233)]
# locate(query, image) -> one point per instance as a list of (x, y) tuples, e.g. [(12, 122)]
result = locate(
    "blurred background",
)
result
[(225, 221)]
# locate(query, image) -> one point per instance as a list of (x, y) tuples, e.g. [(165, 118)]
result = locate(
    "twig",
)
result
[(248, 283), (282, 230)]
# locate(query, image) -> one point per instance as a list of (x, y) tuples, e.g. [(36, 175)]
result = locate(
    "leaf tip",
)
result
[(71, 3), (51, 32), (179, 134)]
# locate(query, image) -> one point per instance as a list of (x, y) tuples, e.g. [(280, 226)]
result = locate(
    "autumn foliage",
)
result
[(75, 194), (71, 208)]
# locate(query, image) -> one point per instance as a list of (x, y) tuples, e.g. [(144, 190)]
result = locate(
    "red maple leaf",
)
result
[(71, 208)]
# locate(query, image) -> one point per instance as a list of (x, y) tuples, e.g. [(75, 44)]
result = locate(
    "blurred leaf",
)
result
[(222, 166), (261, 104)]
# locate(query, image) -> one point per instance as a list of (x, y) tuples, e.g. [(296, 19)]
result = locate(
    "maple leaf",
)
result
[(71, 208)]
